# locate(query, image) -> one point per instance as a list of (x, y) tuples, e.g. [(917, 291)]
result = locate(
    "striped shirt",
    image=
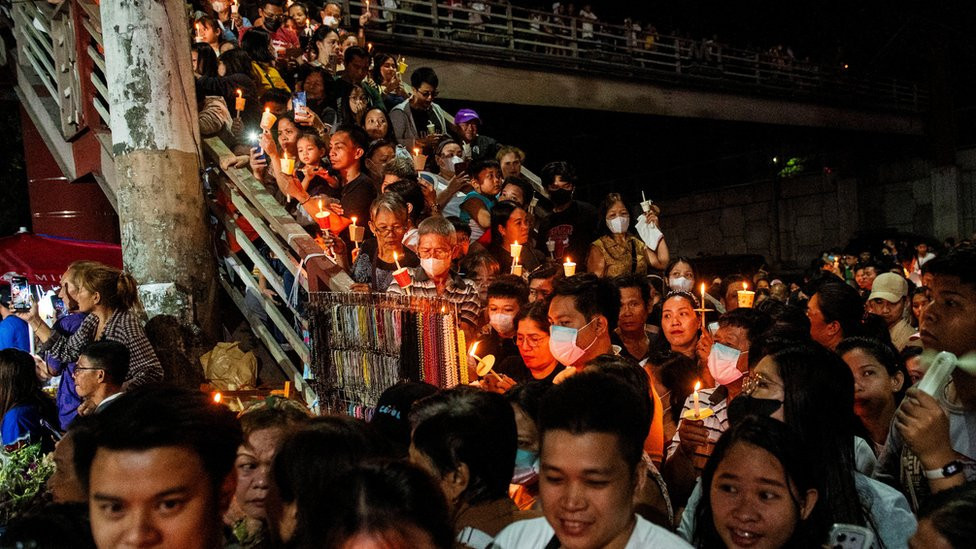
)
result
[(460, 291), (124, 327), (716, 423)]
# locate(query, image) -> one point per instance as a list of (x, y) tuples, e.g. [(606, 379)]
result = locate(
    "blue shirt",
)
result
[(14, 334), (21, 425)]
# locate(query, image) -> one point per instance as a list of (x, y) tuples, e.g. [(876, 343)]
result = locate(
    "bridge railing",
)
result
[(510, 34)]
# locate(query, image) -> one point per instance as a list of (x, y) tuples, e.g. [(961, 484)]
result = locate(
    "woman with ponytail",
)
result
[(111, 298)]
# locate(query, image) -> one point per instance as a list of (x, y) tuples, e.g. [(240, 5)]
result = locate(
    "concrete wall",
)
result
[(814, 212)]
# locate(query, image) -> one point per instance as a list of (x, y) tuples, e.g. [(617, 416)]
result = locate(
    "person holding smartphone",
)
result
[(14, 333)]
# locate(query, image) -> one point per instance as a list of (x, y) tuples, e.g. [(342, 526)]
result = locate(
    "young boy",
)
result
[(486, 178), (507, 295)]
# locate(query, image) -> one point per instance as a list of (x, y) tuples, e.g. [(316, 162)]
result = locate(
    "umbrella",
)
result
[(43, 259)]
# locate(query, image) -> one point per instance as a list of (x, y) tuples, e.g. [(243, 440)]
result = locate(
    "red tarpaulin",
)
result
[(43, 259)]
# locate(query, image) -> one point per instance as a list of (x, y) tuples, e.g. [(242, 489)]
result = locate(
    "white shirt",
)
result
[(536, 534)]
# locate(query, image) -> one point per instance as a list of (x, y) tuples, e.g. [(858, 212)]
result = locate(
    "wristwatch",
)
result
[(954, 467)]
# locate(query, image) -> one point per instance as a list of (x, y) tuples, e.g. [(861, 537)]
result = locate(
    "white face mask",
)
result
[(681, 284), (330, 21), (562, 344), (502, 323), (722, 361), (619, 224), (434, 267), (219, 7)]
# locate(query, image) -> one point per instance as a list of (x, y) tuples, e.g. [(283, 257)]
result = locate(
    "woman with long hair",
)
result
[(28, 415), (257, 43), (111, 298), (880, 382)]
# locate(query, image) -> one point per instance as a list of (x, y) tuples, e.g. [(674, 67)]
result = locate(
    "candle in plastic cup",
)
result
[(569, 268), (419, 160), (746, 297), (267, 119), (234, 7), (240, 101), (287, 165), (322, 217), (402, 277), (516, 269), (402, 66), (431, 128), (356, 232)]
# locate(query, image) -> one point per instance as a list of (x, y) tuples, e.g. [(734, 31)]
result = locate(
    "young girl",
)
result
[(312, 174), (880, 382)]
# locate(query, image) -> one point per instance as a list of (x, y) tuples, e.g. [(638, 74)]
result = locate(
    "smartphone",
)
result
[(20, 294), (299, 102), (256, 140), (59, 307), (461, 167)]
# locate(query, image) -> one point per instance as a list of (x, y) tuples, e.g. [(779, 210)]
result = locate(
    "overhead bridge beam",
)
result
[(467, 80)]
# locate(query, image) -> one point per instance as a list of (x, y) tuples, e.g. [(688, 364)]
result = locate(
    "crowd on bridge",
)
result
[(637, 400)]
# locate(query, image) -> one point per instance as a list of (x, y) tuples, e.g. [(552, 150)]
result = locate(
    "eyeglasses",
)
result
[(383, 231), (536, 293), (439, 253), (756, 380), (530, 342), (428, 94)]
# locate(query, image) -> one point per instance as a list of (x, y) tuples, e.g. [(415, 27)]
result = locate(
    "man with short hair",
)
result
[(864, 275), (583, 311), (888, 299), (436, 243), (591, 429), (158, 470), (357, 191), (541, 281), (572, 225), (412, 118), (474, 145), (356, 62), (101, 370)]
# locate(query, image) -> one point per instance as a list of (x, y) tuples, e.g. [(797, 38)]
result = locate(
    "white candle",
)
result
[(267, 119), (516, 251), (695, 396), (569, 268), (396, 259), (234, 7)]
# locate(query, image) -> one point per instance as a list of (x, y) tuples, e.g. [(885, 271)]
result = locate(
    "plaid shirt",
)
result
[(123, 327), (459, 291)]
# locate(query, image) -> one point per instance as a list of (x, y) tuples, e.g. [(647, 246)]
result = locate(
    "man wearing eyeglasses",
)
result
[(418, 122), (102, 367)]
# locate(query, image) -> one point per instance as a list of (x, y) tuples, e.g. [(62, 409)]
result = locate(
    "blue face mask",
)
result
[(526, 467), (525, 458)]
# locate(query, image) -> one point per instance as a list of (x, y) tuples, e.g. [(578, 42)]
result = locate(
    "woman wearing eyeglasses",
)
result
[(373, 269), (532, 339)]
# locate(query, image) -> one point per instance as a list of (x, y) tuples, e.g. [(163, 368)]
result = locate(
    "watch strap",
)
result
[(952, 468)]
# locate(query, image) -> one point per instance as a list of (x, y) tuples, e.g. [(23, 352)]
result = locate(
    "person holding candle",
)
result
[(617, 252), (209, 33), (411, 117), (233, 74), (437, 241), (728, 363), (229, 19), (507, 295), (374, 266), (385, 74), (510, 231)]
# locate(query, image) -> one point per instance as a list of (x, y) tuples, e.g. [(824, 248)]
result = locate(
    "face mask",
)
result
[(562, 344), (618, 224), (502, 323), (330, 21), (560, 197), (526, 467), (272, 22), (745, 405), (219, 7), (722, 362), (434, 267), (680, 284)]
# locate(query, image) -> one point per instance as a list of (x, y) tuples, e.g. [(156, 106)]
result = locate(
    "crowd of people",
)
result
[(634, 402)]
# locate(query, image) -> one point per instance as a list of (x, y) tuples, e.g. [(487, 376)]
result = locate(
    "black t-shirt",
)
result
[(421, 119), (515, 368), (573, 230)]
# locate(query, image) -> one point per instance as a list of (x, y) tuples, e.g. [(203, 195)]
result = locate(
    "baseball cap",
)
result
[(466, 115), (890, 287)]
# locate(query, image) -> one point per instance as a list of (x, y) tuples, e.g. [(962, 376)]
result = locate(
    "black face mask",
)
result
[(560, 197), (273, 22), (745, 405)]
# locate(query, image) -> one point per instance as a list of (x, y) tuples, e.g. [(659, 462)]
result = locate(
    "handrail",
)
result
[(541, 39)]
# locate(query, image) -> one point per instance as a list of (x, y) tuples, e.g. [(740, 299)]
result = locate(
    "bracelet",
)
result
[(302, 203)]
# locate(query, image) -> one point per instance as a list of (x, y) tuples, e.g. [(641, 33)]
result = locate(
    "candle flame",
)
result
[(745, 286), (217, 397), (416, 151), (353, 220), (267, 109), (395, 257), (567, 259), (697, 386), (443, 309), (474, 348), (703, 288), (240, 93)]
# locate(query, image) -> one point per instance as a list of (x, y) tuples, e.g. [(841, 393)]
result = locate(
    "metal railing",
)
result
[(504, 33)]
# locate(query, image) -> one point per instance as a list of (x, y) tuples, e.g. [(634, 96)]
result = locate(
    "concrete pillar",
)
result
[(945, 202), (156, 143)]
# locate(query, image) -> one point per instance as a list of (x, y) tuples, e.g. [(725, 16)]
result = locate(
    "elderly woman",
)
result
[(618, 251), (374, 266)]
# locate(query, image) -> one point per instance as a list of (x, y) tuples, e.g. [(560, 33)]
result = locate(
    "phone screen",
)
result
[(299, 102), (59, 308), (20, 295)]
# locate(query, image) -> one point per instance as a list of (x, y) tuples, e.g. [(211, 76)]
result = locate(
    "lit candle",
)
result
[(322, 213), (516, 269), (402, 65), (196, 26), (416, 151), (267, 119), (569, 268), (645, 203), (217, 397), (745, 296), (356, 232), (369, 45), (287, 165), (396, 259), (474, 351), (516, 251), (234, 7), (695, 396), (239, 103)]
